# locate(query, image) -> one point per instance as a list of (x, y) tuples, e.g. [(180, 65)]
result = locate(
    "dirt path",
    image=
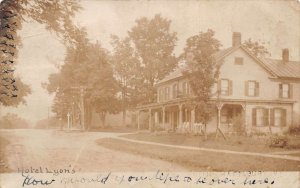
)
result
[(57, 149)]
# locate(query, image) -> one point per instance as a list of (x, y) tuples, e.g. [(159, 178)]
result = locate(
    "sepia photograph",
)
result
[(149, 93)]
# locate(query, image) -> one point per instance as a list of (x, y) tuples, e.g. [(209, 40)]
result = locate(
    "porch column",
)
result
[(163, 117), (180, 115), (219, 106), (138, 120), (192, 116), (150, 120), (155, 119)]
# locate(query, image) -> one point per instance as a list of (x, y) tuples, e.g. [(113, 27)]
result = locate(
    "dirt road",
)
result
[(57, 149)]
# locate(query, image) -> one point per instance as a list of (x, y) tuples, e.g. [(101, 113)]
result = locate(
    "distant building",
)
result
[(265, 93)]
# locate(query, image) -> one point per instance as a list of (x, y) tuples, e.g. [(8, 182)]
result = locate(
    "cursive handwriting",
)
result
[(32, 181)]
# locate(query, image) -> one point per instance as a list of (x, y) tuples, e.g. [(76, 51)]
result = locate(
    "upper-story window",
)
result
[(224, 87), (252, 88), (167, 93), (175, 91), (160, 95), (185, 88), (238, 61), (285, 90)]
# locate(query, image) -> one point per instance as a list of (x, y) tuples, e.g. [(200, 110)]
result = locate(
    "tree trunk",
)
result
[(102, 116), (124, 117)]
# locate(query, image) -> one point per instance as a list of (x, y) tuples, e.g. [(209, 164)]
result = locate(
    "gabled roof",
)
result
[(277, 68)]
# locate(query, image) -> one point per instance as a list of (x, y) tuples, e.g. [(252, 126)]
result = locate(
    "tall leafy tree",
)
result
[(127, 73), (154, 43), (257, 48), (202, 71), (86, 66), (102, 87), (56, 15)]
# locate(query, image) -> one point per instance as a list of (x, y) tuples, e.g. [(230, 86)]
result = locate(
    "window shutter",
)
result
[(246, 88), (254, 116), (229, 87), (283, 117), (290, 91), (266, 117), (272, 117), (256, 89), (280, 90)]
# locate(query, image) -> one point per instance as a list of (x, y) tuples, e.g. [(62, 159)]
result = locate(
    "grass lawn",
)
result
[(3, 160), (116, 129), (200, 160), (235, 143)]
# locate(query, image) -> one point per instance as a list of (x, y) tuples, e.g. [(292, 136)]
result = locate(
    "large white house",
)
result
[(265, 93)]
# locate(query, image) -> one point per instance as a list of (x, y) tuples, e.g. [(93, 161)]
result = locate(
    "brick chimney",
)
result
[(236, 38), (285, 55)]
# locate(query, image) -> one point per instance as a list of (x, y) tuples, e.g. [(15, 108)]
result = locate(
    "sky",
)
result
[(277, 23)]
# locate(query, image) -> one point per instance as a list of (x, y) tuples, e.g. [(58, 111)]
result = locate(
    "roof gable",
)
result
[(277, 68)]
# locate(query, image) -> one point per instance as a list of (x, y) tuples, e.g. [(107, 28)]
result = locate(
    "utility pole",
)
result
[(68, 120)]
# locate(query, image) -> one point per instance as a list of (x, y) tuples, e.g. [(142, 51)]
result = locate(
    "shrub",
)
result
[(278, 141), (294, 130)]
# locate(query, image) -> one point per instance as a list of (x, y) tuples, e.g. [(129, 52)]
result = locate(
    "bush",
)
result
[(294, 130), (278, 141)]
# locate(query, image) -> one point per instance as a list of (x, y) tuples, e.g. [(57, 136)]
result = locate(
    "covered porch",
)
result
[(183, 117)]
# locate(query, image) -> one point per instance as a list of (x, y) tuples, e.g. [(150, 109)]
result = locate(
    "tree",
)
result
[(256, 48), (202, 71), (56, 15), (13, 121), (154, 44), (87, 66), (127, 73), (102, 86)]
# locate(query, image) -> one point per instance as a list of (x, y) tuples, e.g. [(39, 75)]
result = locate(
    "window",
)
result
[(224, 87), (161, 95), (238, 61), (185, 88), (167, 93), (277, 117), (285, 90), (260, 117), (252, 88), (175, 91)]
